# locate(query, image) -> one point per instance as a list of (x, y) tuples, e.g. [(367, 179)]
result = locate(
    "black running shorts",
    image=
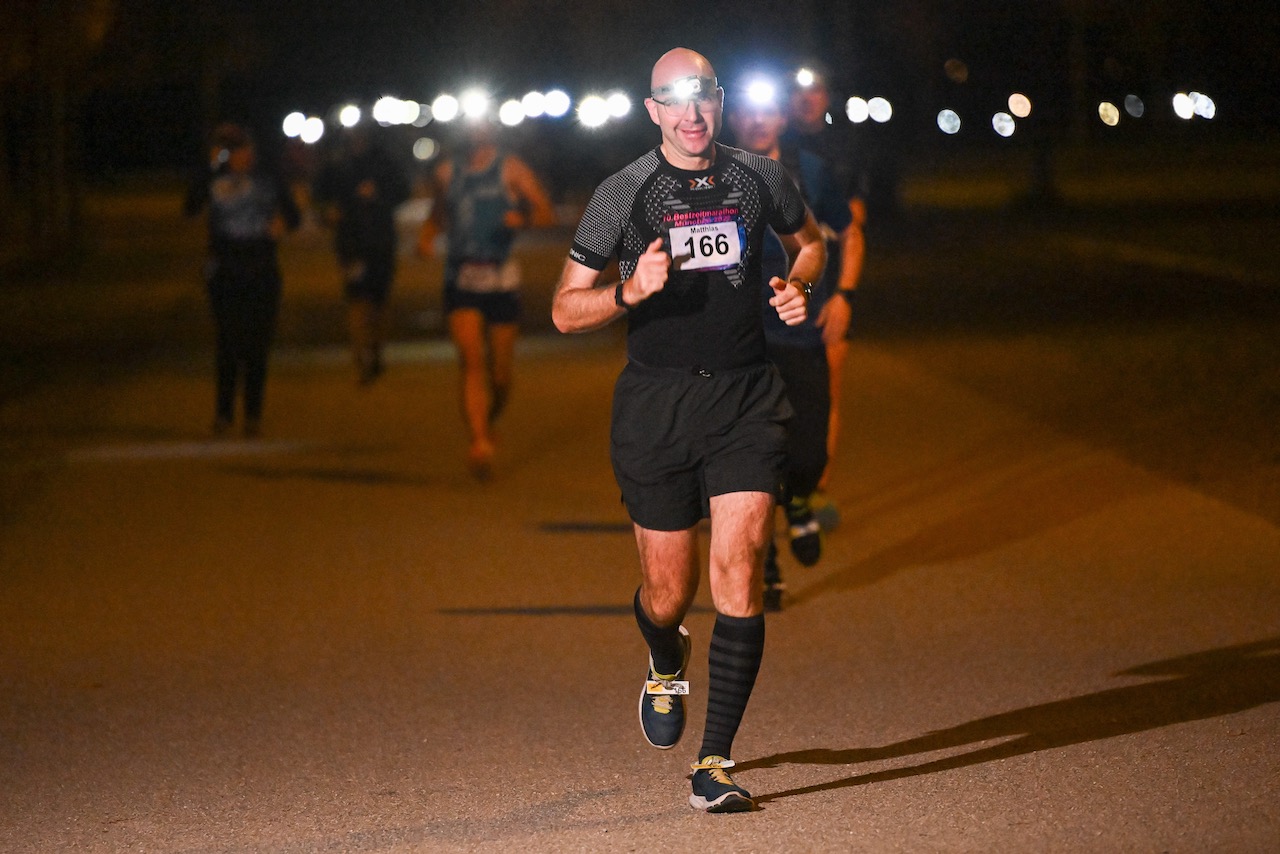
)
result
[(497, 307), (680, 437)]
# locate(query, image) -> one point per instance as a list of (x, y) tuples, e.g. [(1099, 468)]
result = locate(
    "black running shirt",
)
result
[(711, 223)]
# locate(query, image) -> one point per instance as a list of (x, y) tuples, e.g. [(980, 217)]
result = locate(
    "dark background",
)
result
[(101, 90), (168, 70)]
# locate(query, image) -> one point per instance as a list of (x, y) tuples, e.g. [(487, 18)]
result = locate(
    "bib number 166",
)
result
[(711, 246)]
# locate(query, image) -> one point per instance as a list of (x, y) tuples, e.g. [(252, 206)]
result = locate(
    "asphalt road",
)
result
[(1048, 621)]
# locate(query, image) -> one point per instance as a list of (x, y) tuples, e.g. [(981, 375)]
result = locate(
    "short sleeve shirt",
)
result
[(712, 223)]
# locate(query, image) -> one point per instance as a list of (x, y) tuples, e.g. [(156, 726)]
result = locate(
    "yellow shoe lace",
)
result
[(663, 703), (715, 766)]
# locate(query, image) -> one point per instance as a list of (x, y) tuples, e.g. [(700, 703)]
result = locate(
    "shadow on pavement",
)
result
[(1202, 685)]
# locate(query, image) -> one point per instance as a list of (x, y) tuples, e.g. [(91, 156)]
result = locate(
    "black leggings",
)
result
[(807, 377), (244, 314)]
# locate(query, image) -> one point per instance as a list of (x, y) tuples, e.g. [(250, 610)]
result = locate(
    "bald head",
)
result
[(677, 64), (685, 102)]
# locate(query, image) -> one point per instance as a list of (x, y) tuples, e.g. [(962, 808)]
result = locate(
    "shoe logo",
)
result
[(666, 686)]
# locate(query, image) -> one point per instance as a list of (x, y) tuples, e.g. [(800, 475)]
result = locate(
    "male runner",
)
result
[(800, 351), (699, 414), (809, 129)]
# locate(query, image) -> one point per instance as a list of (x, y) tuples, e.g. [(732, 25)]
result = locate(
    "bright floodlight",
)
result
[(534, 104), (805, 78), (386, 110), (1020, 105), (949, 122), (619, 105), (556, 103), (1109, 113), (857, 110), (475, 103), (445, 108), (511, 113), (880, 110), (292, 124), (389, 110), (1183, 107), (762, 93), (1003, 124), (349, 116), (312, 130), (593, 111)]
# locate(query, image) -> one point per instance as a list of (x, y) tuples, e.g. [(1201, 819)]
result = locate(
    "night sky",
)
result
[(272, 57)]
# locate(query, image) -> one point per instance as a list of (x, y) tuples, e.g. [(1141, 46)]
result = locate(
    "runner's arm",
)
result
[(536, 208), (580, 306)]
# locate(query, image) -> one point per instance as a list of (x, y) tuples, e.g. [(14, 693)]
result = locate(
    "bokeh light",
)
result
[(949, 122), (857, 110), (511, 113), (1183, 107), (292, 124), (474, 103), (619, 105), (387, 111), (445, 108), (349, 116), (425, 148), (1202, 105), (593, 111), (1003, 124), (1109, 113), (312, 130), (556, 103), (533, 104), (1133, 106), (1019, 105), (880, 110)]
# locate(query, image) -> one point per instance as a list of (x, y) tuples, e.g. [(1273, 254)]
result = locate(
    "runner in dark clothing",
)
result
[(248, 211), (699, 414), (359, 193)]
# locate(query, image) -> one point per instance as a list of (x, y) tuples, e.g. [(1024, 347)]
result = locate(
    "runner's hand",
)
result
[(650, 275), (789, 301), (834, 319)]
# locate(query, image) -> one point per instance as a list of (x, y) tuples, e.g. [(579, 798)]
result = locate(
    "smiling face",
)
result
[(686, 106)]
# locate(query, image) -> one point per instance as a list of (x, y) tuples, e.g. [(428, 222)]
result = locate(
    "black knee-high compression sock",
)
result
[(664, 643), (737, 645)]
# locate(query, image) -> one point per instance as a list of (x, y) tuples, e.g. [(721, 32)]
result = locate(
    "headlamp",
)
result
[(684, 90)]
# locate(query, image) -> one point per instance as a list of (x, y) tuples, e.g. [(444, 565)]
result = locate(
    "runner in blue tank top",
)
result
[(483, 197)]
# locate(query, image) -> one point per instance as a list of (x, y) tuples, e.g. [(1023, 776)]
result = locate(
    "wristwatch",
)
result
[(807, 287), (617, 298)]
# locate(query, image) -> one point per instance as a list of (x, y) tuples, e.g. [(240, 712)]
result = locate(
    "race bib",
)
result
[(487, 277), (706, 246)]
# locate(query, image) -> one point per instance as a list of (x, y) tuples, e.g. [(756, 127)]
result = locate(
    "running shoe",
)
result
[(662, 702), (806, 533), (825, 511), (715, 791)]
